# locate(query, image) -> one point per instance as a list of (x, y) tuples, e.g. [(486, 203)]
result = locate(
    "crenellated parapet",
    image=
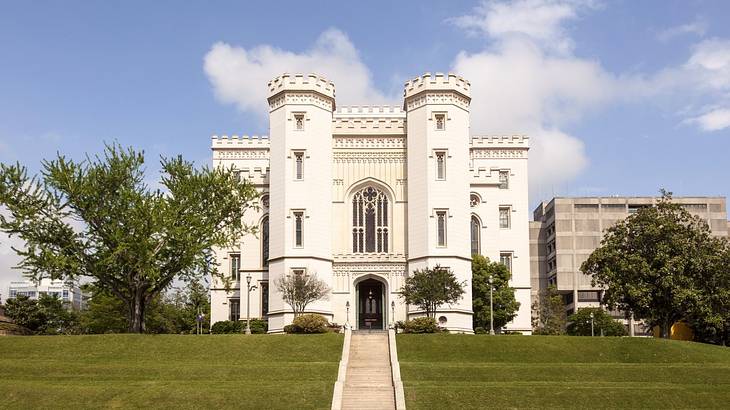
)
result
[(370, 111), (437, 82), (243, 141), (302, 82), (508, 141)]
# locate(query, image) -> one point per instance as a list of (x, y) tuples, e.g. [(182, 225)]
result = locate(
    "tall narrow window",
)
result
[(503, 179), (441, 227), (504, 217), (370, 221), (234, 309), (299, 165), (440, 165), (298, 222), (265, 241), (264, 299), (299, 121), (506, 259), (475, 228), (440, 122), (235, 266)]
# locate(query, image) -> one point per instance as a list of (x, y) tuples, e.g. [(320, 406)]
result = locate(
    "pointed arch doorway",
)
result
[(371, 304)]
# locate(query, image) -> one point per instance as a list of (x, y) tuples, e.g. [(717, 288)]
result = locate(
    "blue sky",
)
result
[(619, 97)]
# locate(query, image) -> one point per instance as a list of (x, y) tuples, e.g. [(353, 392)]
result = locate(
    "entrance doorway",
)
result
[(370, 304)]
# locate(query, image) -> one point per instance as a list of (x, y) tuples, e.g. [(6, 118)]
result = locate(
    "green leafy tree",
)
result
[(299, 290), (549, 313), (104, 313), (430, 288), (603, 324), (654, 264), (504, 303), (47, 315), (710, 319), (24, 312), (97, 218)]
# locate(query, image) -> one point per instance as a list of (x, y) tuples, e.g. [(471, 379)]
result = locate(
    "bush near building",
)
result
[(603, 324), (308, 323), (258, 326)]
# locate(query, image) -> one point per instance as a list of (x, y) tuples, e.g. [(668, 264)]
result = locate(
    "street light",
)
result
[(347, 321), (491, 307), (392, 309), (591, 324), (249, 288)]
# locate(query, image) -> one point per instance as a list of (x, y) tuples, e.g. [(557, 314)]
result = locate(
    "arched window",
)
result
[(265, 241), (369, 221), (475, 232)]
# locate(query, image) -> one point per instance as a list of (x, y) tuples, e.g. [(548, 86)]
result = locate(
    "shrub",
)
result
[(480, 330), (421, 325), (258, 326), (309, 323), (227, 326), (580, 323)]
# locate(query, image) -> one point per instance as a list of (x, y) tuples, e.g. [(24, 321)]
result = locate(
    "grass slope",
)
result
[(169, 371), (462, 371)]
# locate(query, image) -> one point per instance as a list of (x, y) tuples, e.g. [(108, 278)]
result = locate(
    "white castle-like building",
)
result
[(362, 196)]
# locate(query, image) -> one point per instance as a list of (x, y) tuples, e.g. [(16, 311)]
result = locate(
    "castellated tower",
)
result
[(437, 110), (300, 213)]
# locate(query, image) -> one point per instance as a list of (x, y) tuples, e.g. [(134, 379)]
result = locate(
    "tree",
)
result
[(97, 218), (550, 317), (505, 305), (104, 313), (710, 319), (654, 264), (299, 290), (47, 315), (430, 288), (603, 323)]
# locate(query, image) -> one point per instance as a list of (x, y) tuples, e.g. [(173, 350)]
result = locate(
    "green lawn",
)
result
[(169, 371), (462, 371)]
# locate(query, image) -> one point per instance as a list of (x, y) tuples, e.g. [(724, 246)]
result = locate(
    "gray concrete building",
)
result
[(565, 231)]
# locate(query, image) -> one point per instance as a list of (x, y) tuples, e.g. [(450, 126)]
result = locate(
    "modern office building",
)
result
[(68, 292), (565, 231)]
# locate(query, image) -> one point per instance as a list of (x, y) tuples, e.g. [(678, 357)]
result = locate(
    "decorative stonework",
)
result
[(485, 153), (245, 154), (369, 143), (369, 156), (308, 97), (437, 97)]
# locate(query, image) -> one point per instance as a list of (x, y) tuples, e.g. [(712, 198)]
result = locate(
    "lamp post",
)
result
[(249, 288), (491, 307), (591, 324), (347, 321), (392, 315)]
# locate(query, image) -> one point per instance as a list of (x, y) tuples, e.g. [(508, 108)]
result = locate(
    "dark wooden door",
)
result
[(370, 304)]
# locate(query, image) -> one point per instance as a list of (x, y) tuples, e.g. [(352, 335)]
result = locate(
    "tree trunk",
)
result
[(136, 313), (666, 328)]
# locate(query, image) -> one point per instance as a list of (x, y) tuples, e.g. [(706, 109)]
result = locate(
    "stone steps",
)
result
[(369, 383)]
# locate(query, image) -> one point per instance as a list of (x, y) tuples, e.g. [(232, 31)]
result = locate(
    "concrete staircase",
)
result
[(369, 382)]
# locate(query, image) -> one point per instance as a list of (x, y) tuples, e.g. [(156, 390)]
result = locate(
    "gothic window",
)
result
[(369, 221), (440, 122), (299, 121), (504, 217), (441, 227), (475, 228), (503, 179), (299, 165), (265, 241), (265, 201), (473, 200), (234, 310), (440, 165), (235, 266), (298, 227), (506, 259), (264, 299)]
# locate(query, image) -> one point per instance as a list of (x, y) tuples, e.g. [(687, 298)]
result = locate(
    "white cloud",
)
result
[(541, 21), (240, 76), (697, 27), (714, 120)]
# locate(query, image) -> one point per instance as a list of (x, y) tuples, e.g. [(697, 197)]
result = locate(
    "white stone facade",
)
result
[(363, 195)]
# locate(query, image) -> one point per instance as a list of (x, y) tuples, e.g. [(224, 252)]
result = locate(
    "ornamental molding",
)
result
[(299, 98), (486, 153), (369, 156), (437, 97), (250, 154), (369, 125), (369, 142), (358, 269)]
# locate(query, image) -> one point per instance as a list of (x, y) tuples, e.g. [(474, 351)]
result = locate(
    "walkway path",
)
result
[(369, 382)]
